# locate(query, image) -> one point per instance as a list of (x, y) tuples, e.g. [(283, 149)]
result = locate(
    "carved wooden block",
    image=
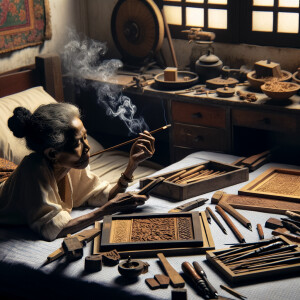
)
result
[(179, 294), (93, 263), (73, 248), (276, 183), (111, 258), (152, 283), (151, 231), (163, 280)]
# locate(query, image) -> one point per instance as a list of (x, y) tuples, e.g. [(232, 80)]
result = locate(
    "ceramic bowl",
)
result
[(280, 90), (256, 83)]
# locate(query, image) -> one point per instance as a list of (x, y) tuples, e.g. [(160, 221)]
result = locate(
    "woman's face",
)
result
[(78, 155)]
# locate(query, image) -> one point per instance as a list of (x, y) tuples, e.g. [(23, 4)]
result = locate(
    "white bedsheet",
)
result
[(22, 256)]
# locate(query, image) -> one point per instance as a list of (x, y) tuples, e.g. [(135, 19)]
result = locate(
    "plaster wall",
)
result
[(232, 55), (64, 14)]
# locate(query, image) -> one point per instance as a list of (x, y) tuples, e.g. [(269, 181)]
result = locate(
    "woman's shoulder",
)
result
[(34, 162)]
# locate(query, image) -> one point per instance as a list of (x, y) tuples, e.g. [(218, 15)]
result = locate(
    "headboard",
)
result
[(45, 72)]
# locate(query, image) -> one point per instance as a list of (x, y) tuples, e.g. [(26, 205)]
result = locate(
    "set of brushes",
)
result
[(193, 175), (259, 256)]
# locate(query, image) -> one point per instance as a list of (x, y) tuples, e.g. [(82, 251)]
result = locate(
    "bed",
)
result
[(23, 274)]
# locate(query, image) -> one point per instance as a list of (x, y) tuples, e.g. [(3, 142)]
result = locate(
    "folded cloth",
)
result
[(6, 168)]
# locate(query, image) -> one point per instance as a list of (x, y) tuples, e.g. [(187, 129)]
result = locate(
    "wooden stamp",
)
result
[(111, 258), (266, 68), (93, 263), (273, 223), (163, 280), (73, 248), (152, 283)]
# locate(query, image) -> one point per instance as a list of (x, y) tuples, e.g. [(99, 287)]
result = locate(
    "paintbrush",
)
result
[(129, 141)]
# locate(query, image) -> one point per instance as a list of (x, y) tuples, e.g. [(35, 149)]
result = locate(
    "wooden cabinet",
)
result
[(198, 127)]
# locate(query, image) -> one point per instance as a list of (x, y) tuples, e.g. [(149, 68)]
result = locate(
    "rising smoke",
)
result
[(82, 59)]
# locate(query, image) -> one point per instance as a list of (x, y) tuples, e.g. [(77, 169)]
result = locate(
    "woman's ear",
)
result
[(50, 153)]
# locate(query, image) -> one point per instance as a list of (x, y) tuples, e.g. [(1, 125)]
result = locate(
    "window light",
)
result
[(195, 1), (288, 3), (262, 21), (194, 16), (217, 18), (263, 2), (288, 22), (217, 2), (173, 14)]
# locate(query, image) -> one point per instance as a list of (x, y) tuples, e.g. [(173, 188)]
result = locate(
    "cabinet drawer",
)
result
[(198, 114), (263, 120), (202, 138)]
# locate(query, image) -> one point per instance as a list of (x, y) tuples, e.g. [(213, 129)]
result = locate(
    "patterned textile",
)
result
[(23, 23), (6, 168)]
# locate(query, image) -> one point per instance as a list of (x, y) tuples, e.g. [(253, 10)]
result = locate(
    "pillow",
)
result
[(12, 148)]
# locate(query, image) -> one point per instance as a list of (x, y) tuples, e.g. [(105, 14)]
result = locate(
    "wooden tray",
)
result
[(267, 273), (179, 192), (275, 183), (202, 241)]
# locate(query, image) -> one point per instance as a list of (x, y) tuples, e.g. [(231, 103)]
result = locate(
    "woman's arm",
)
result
[(121, 202)]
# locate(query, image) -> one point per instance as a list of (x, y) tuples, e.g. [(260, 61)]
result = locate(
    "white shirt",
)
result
[(30, 196)]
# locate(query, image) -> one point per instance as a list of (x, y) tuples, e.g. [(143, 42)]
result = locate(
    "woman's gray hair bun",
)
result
[(19, 122)]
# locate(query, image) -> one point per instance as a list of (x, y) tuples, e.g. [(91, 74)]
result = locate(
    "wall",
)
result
[(233, 55), (64, 14)]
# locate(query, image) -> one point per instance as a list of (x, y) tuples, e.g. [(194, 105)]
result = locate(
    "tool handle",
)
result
[(293, 215), (260, 232), (235, 213), (230, 224), (147, 189)]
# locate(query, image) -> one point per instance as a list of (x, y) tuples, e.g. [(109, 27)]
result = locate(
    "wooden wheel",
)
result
[(137, 29)]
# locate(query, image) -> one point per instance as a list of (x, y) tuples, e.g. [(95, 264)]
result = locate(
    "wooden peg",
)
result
[(93, 263)]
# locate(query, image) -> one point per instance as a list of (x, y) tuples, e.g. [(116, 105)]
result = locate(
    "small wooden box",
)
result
[(264, 68), (170, 74), (268, 273), (179, 192)]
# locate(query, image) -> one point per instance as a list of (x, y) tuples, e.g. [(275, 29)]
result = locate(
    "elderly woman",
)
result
[(55, 177)]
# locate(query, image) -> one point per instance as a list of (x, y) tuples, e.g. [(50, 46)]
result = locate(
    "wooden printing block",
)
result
[(163, 280), (93, 263), (111, 258), (273, 223), (179, 294), (152, 283), (73, 248), (170, 74)]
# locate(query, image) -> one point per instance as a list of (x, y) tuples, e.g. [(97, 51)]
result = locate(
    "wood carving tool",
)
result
[(176, 280), (208, 217), (150, 186), (130, 141), (73, 248), (232, 292), (273, 223), (256, 252), (217, 198), (279, 262), (291, 227), (260, 231), (262, 242), (293, 215), (282, 231), (216, 219), (202, 274), (189, 205), (188, 269), (229, 252), (230, 224), (259, 204), (297, 223), (84, 236)]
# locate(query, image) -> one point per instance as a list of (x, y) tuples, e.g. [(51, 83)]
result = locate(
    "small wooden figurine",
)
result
[(73, 247)]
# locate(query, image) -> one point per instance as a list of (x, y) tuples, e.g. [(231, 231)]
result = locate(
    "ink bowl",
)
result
[(132, 268)]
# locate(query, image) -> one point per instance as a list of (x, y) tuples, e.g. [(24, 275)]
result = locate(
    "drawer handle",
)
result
[(266, 121), (197, 115), (199, 138)]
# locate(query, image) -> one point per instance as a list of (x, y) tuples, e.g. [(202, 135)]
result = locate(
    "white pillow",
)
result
[(12, 148)]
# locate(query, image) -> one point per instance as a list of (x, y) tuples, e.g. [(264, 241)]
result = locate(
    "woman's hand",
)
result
[(125, 201), (142, 149)]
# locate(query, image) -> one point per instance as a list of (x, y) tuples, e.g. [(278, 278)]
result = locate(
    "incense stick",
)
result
[(129, 141)]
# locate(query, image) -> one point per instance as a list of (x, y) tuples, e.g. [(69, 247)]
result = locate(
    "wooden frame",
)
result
[(45, 72), (266, 273), (199, 220), (179, 192), (262, 185)]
